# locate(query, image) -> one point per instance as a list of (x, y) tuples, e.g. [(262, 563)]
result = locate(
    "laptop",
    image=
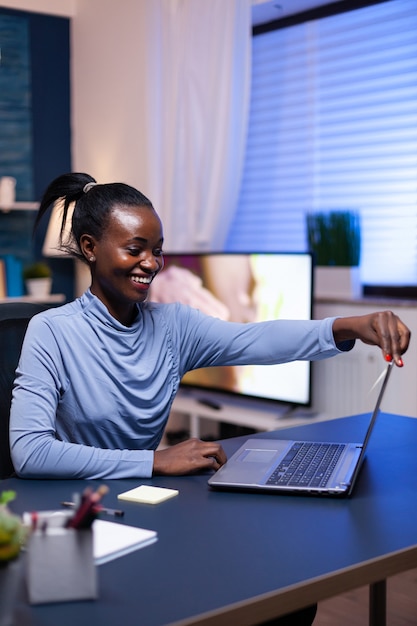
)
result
[(304, 467)]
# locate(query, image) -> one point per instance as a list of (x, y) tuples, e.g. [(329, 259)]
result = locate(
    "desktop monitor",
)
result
[(245, 288)]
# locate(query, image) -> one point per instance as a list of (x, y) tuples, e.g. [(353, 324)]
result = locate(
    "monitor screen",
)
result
[(244, 288)]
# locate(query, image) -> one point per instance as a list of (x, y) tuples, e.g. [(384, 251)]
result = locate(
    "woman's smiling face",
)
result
[(126, 259)]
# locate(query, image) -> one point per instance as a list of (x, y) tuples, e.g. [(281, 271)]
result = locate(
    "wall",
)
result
[(108, 90), (64, 8), (108, 65)]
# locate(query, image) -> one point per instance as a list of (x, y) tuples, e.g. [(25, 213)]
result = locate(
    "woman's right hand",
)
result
[(189, 457)]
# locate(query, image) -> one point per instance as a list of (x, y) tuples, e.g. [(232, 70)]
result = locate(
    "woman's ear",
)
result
[(87, 245)]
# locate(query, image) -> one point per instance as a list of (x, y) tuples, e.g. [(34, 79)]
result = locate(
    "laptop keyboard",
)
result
[(307, 465)]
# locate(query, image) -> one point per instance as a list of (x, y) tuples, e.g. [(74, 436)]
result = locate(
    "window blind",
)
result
[(333, 125)]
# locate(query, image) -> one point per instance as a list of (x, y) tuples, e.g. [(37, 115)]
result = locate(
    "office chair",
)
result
[(14, 318)]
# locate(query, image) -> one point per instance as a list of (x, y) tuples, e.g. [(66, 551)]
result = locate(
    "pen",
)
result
[(99, 508)]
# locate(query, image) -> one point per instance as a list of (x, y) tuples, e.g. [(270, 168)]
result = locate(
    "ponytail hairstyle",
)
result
[(93, 204)]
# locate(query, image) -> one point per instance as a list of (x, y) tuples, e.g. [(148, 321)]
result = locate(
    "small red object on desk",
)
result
[(89, 508)]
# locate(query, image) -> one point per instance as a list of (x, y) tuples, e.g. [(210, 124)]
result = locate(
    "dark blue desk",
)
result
[(238, 558)]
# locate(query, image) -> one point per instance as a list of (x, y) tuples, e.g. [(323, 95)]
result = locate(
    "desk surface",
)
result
[(225, 558)]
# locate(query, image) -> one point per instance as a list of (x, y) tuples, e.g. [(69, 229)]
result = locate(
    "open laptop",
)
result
[(285, 466)]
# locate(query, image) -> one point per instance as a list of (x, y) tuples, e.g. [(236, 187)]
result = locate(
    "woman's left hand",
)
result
[(383, 329)]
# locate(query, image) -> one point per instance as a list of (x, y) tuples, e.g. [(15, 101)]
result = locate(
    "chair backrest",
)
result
[(14, 318)]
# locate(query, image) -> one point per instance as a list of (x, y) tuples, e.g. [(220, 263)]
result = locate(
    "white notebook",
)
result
[(112, 540)]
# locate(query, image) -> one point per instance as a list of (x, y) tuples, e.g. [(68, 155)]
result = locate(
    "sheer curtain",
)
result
[(198, 83)]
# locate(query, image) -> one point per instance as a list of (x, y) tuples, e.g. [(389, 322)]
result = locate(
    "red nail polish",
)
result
[(400, 362), (388, 357)]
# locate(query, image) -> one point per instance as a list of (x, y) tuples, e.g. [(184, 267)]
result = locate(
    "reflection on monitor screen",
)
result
[(244, 288)]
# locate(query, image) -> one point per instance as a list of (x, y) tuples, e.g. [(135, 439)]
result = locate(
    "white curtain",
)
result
[(197, 90)]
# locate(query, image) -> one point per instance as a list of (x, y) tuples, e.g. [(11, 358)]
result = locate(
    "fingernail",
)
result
[(400, 363), (388, 357)]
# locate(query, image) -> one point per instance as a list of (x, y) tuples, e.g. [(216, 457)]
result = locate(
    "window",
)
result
[(333, 125)]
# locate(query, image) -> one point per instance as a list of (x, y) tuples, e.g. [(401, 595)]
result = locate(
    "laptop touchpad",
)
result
[(257, 456)]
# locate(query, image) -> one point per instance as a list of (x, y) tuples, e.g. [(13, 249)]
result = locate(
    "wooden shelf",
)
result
[(21, 206), (52, 298)]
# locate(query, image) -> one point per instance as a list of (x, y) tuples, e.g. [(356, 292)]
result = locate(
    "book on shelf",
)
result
[(3, 284), (14, 276)]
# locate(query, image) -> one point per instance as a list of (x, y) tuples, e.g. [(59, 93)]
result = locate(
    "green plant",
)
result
[(12, 531), (37, 270), (335, 238)]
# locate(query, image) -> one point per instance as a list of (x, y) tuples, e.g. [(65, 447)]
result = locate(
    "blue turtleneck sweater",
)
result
[(92, 397)]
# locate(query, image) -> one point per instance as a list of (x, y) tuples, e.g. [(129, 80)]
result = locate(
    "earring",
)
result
[(92, 259)]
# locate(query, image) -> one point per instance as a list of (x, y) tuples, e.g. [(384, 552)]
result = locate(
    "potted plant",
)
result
[(38, 279), (13, 535), (334, 237)]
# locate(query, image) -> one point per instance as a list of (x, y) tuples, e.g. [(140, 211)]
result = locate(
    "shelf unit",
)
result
[(55, 298)]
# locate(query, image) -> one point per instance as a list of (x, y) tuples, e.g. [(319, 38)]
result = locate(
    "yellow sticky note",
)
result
[(148, 494)]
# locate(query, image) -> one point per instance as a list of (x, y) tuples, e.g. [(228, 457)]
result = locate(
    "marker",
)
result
[(100, 509), (34, 519), (89, 507)]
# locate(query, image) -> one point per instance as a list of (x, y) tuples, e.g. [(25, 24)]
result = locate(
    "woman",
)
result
[(97, 377)]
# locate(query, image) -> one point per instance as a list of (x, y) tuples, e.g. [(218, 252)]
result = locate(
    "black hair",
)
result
[(93, 204)]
